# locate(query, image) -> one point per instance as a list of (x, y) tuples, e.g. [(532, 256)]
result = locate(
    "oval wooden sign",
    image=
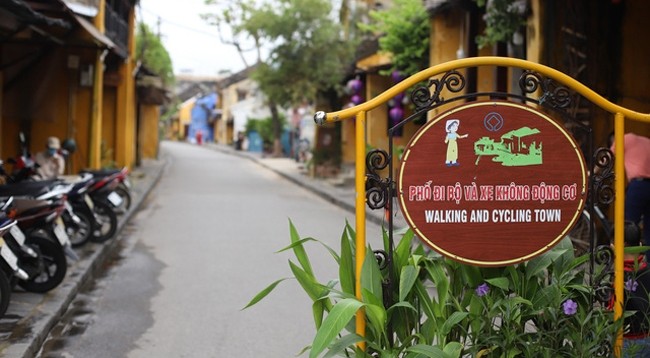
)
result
[(492, 183)]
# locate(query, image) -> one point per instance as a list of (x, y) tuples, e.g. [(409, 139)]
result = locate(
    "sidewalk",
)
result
[(31, 316), (341, 195)]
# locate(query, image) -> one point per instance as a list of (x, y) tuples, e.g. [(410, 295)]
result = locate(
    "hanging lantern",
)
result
[(356, 99), (396, 114), (396, 76), (355, 85)]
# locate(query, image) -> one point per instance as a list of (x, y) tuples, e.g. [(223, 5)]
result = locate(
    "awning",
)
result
[(22, 11), (100, 38)]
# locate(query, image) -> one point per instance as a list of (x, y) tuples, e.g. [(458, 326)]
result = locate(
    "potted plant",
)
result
[(426, 305)]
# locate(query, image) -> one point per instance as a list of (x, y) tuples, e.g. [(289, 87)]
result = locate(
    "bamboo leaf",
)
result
[(263, 293), (453, 349), (425, 300), (453, 320), (371, 278), (295, 243), (403, 249), (299, 250), (346, 266), (377, 317), (542, 262), (406, 280), (403, 304), (318, 310), (342, 343), (500, 282), (307, 282), (441, 281), (427, 351), (336, 320)]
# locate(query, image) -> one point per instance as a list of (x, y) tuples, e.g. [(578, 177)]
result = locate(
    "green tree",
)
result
[(503, 18), (153, 55), (307, 54), (404, 33)]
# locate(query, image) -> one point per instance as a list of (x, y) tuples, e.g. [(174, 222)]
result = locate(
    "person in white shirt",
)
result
[(50, 164)]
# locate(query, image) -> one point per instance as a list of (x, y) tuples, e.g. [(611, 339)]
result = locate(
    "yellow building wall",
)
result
[(635, 68), (185, 116), (149, 119), (125, 140), (108, 127)]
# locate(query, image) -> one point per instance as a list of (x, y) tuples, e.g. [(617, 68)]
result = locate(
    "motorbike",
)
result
[(32, 258), (82, 219), (120, 199), (104, 199), (9, 268), (40, 221)]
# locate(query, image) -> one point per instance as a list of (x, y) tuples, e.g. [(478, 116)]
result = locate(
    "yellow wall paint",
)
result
[(149, 119), (108, 130)]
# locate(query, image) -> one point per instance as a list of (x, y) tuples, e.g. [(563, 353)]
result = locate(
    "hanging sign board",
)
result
[(492, 183)]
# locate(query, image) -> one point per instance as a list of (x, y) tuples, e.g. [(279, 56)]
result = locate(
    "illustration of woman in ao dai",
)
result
[(450, 140)]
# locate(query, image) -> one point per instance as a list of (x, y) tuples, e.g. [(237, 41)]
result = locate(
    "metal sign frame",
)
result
[(539, 85)]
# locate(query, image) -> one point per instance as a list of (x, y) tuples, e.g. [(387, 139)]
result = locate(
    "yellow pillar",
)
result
[(619, 229), (125, 137), (360, 209), (95, 135)]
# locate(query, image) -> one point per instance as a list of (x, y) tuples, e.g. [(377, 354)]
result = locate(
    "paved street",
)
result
[(199, 249)]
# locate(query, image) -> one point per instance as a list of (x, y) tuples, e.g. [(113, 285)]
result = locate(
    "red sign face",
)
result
[(492, 183)]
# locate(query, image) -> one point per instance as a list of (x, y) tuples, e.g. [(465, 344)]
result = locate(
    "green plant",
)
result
[(264, 126), (425, 305), (502, 19), (405, 31)]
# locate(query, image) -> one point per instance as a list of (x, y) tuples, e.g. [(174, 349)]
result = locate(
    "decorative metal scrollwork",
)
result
[(553, 95), (424, 97), (604, 257), (377, 189), (382, 258), (603, 175)]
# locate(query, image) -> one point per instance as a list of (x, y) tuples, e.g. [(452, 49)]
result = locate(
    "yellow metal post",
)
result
[(621, 114), (360, 215), (619, 218)]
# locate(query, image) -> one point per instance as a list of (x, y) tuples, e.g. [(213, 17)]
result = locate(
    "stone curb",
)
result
[(47, 313)]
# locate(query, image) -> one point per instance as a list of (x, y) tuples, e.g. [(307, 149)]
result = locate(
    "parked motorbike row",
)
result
[(41, 221)]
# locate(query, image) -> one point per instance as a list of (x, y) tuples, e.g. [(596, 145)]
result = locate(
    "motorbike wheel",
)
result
[(80, 232), (5, 293), (55, 266), (126, 200), (106, 225)]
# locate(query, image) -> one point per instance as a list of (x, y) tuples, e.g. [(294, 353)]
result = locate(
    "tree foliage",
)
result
[(502, 19), (152, 53), (404, 29), (307, 54)]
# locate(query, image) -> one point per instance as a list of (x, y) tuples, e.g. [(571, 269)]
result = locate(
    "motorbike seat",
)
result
[(27, 188)]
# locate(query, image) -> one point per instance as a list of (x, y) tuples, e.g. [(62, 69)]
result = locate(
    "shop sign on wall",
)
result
[(492, 183)]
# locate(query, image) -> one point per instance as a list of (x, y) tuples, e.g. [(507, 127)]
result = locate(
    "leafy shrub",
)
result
[(425, 305)]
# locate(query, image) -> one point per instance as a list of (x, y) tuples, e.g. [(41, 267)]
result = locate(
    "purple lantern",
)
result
[(355, 85), (356, 99), (399, 97), (396, 76), (396, 114)]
